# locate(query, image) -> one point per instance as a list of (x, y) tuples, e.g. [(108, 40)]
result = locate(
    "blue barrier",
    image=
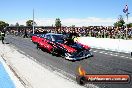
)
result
[(5, 81)]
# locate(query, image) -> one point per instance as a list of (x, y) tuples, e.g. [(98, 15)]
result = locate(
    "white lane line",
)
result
[(111, 54), (130, 58), (101, 51), (122, 56), (126, 57), (105, 53), (115, 55), (95, 51)]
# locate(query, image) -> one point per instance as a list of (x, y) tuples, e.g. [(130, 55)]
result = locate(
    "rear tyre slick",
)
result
[(53, 52), (37, 46)]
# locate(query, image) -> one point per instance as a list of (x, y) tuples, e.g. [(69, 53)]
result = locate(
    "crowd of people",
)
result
[(17, 32), (92, 31)]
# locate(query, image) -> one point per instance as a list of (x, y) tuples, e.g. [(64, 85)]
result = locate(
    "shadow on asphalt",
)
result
[(6, 43)]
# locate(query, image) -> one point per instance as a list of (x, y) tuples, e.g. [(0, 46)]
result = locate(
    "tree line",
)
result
[(120, 22)]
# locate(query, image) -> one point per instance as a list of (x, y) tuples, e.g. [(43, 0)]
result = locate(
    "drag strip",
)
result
[(101, 63)]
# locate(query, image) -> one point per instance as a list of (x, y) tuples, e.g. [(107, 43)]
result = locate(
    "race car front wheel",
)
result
[(55, 52), (68, 56)]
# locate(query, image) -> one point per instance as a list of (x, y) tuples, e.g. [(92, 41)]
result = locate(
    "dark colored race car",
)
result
[(59, 44)]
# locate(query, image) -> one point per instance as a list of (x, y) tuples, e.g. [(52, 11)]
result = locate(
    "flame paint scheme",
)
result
[(57, 44)]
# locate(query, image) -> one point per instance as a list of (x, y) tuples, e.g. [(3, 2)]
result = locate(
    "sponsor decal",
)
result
[(82, 78)]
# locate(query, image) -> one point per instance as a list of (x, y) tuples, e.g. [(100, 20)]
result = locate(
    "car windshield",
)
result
[(42, 35), (58, 38)]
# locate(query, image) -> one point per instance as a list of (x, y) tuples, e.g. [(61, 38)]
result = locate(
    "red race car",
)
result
[(35, 37), (59, 44)]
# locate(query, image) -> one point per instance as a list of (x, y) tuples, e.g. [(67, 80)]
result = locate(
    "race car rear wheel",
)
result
[(37, 46), (53, 52)]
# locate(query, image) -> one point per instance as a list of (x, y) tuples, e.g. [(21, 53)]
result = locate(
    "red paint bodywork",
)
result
[(44, 43), (69, 49), (34, 39)]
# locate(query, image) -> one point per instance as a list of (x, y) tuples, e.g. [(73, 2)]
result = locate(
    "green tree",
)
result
[(3, 25), (129, 25), (73, 26), (30, 23), (57, 23), (120, 22), (21, 25), (17, 24), (12, 25)]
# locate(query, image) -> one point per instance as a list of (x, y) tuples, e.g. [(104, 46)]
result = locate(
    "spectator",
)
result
[(2, 37), (25, 34)]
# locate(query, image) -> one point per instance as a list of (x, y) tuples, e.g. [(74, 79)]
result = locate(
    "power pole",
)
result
[(125, 10), (33, 21)]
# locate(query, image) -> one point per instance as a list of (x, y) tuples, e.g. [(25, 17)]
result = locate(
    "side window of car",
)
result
[(37, 35), (42, 36), (48, 37)]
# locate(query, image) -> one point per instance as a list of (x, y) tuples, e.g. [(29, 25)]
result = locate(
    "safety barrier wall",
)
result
[(119, 45)]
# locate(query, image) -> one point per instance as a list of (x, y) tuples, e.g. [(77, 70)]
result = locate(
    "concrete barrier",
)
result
[(119, 45)]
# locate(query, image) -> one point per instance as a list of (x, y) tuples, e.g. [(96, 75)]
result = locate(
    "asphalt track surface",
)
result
[(103, 62)]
